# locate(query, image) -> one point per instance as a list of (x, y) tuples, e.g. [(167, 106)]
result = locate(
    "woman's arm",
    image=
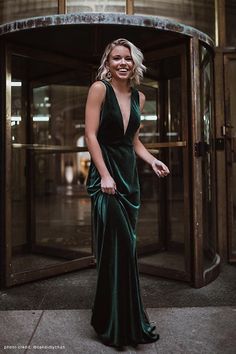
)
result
[(94, 102), (159, 167)]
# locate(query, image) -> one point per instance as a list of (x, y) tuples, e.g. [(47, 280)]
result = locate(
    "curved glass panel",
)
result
[(208, 161), (199, 14), (11, 10), (163, 223), (95, 6), (18, 180), (230, 87)]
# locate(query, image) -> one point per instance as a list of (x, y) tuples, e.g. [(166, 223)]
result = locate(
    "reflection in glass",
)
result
[(189, 12), (62, 209), (162, 227), (207, 131), (51, 218), (230, 14), (18, 182), (95, 6), (149, 210), (231, 71), (11, 10), (61, 203)]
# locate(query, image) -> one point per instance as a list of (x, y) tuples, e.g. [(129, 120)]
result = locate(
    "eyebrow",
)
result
[(118, 55)]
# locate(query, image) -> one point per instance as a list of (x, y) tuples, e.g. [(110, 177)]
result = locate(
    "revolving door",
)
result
[(165, 132), (46, 211)]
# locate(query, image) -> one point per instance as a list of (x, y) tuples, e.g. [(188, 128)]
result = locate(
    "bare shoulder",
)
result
[(98, 89), (142, 99)]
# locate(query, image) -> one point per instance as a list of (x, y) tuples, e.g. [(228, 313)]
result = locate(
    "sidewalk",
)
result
[(186, 330)]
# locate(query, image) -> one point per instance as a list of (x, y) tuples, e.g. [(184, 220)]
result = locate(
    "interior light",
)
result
[(172, 134), (16, 83), (40, 118), (148, 117), (79, 125), (149, 134), (16, 118)]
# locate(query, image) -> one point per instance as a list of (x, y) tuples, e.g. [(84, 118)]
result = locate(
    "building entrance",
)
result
[(47, 213)]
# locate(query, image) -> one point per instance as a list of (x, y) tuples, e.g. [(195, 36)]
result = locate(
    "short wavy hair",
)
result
[(136, 55)]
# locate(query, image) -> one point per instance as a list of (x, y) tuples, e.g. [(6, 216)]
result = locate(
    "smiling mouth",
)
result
[(123, 70)]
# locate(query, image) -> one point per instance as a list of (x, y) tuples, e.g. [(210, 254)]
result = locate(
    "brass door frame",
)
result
[(10, 278), (230, 150), (196, 165), (170, 51), (201, 276), (2, 162), (7, 176)]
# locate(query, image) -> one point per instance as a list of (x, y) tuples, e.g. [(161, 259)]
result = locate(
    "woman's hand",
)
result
[(159, 168), (108, 185)]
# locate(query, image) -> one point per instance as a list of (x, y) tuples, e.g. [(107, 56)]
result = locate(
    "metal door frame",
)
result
[(229, 150)]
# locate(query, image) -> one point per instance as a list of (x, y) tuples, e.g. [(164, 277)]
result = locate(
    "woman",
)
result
[(112, 121)]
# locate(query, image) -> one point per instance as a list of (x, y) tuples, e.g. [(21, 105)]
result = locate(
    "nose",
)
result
[(123, 61)]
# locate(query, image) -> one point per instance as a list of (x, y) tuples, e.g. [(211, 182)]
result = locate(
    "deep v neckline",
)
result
[(121, 115)]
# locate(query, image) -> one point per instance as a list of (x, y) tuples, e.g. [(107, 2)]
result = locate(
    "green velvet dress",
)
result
[(118, 315)]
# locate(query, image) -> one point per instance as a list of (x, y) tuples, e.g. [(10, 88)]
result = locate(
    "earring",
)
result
[(108, 75)]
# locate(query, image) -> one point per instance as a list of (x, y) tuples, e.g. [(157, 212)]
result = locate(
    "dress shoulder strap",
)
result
[(136, 95), (106, 83)]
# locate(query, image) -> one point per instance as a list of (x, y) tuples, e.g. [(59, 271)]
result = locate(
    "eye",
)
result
[(129, 59)]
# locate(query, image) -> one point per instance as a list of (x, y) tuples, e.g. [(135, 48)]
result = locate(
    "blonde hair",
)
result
[(136, 55)]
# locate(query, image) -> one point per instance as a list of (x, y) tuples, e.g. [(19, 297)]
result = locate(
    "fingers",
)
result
[(109, 190), (161, 170), (160, 173), (164, 172)]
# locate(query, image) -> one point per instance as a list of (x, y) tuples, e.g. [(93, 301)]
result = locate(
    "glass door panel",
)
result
[(19, 188), (95, 6), (61, 210), (61, 204), (51, 216), (208, 159), (165, 205), (150, 199)]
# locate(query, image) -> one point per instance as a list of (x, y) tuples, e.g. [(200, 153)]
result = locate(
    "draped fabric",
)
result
[(118, 315)]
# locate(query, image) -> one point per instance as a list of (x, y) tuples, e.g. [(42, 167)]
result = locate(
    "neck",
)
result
[(121, 85)]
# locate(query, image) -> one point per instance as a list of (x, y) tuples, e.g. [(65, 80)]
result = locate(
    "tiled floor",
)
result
[(76, 291), (202, 330)]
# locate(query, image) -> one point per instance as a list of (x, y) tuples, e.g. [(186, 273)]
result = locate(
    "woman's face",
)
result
[(120, 63)]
